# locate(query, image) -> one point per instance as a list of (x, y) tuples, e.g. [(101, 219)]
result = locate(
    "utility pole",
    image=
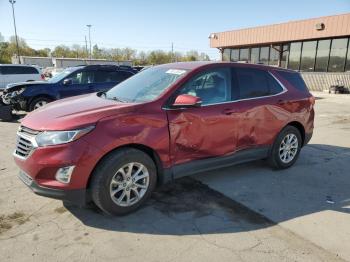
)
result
[(86, 49), (12, 2), (89, 26), (172, 52)]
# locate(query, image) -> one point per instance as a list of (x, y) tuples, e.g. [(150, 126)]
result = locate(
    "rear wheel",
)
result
[(286, 148), (39, 102), (123, 181)]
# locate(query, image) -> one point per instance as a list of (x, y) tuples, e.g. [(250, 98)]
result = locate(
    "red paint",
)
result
[(176, 136)]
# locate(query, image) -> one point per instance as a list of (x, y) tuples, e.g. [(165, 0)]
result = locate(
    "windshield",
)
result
[(146, 85), (60, 76)]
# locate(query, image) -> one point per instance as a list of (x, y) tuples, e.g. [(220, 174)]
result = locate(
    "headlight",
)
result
[(49, 138)]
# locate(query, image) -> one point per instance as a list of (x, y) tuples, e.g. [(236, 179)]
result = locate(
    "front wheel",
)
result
[(39, 102), (286, 148), (123, 181)]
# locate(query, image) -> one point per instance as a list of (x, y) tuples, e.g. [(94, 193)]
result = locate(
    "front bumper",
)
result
[(17, 102), (76, 196)]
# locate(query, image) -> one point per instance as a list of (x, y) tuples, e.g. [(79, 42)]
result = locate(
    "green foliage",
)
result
[(8, 49)]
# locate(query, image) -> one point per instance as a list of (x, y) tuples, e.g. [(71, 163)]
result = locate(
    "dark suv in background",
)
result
[(73, 81)]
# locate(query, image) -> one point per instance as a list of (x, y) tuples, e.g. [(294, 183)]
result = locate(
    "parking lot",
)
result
[(243, 213)]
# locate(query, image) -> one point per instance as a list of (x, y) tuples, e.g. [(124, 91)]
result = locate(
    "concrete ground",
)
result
[(243, 213)]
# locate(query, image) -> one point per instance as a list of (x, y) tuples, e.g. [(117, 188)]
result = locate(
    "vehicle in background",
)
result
[(73, 81), (138, 68), (18, 73), (50, 72), (165, 122)]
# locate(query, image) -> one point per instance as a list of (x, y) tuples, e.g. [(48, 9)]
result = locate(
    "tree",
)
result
[(62, 51), (2, 38), (8, 49), (158, 57), (96, 52)]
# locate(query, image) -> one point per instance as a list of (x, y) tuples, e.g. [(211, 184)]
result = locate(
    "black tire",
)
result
[(274, 159), (105, 171), (37, 100)]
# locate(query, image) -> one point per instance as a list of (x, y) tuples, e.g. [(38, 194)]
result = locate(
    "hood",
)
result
[(15, 86), (73, 112)]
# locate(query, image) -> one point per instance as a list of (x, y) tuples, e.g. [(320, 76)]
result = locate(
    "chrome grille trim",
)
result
[(28, 131), (26, 142)]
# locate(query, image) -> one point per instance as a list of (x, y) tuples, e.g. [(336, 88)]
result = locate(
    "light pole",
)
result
[(89, 26), (12, 2)]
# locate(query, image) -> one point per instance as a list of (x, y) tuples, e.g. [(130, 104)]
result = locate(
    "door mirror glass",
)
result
[(187, 101), (67, 81)]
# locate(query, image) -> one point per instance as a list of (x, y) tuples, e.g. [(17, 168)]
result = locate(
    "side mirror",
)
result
[(185, 101), (67, 81)]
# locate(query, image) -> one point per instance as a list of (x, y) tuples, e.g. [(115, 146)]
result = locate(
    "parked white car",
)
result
[(18, 73)]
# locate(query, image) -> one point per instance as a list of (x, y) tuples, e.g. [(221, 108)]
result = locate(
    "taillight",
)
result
[(42, 77)]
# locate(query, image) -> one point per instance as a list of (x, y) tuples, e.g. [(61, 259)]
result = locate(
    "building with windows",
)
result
[(318, 48)]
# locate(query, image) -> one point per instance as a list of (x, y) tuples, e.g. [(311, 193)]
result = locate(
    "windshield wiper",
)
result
[(117, 99)]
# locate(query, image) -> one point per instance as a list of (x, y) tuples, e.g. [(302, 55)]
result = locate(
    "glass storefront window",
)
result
[(264, 55), (254, 55), (337, 55), (285, 54), (308, 56), (294, 56), (347, 68), (322, 55), (234, 55), (274, 55), (226, 55), (244, 54)]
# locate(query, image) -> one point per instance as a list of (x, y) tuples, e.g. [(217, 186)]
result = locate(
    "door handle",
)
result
[(228, 111)]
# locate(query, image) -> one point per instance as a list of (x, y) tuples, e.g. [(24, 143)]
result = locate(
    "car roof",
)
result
[(199, 64), (19, 65)]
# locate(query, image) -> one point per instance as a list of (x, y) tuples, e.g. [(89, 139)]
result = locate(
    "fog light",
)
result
[(64, 173)]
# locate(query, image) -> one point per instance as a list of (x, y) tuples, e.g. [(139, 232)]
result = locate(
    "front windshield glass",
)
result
[(146, 85), (60, 76)]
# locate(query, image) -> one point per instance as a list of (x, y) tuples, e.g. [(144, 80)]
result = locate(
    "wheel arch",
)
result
[(146, 149), (301, 129), (38, 96)]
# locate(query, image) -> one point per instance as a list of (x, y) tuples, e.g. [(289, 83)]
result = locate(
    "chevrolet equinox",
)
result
[(113, 148)]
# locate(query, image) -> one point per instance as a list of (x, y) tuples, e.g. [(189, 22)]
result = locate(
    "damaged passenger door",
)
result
[(206, 130)]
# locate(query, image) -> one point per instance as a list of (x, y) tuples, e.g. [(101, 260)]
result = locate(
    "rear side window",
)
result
[(19, 70), (294, 79), (256, 83), (111, 76), (120, 76)]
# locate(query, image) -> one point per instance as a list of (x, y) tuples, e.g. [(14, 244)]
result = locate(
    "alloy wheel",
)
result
[(288, 148), (39, 104), (129, 184)]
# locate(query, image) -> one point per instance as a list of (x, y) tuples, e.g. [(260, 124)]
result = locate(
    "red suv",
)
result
[(166, 122)]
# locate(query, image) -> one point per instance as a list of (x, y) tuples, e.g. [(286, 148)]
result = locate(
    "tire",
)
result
[(108, 177), (279, 158), (44, 100)]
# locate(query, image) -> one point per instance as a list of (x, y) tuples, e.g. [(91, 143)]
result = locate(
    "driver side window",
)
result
[(82, 77), (212, 86)]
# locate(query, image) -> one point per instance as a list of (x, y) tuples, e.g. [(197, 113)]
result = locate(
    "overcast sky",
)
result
[(148, 24)]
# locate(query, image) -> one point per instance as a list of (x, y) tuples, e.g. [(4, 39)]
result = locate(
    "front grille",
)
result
[(25, 142)]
